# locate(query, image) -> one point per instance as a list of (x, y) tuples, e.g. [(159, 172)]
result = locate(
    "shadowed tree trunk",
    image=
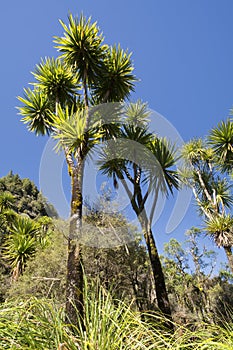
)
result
[(138, 205), (74, 277), (156, 266)]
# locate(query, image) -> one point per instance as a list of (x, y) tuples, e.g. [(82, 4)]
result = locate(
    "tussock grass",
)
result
[(109, 325)]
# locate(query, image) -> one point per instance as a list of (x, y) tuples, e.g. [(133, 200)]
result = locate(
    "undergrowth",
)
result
[(38, 324)]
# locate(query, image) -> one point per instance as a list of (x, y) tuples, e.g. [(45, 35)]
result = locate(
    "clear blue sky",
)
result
[(182, 53)]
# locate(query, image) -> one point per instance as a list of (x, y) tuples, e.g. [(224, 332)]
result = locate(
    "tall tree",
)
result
[(87, 73), (212, 191), (143, 163)]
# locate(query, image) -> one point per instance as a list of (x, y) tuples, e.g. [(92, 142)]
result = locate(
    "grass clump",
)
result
[(109, 325)]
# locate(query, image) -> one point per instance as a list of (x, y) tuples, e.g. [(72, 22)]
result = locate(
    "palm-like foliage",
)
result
[(195, 151), (223, 196), (19, 248), (212, 191), (137, 151), (25, 226), (165, 155), (55, 83), (135, 133), (215, 191), (105, 71), (137, 114), (220, 227), (115, 81), (221, 140), (200, 173), (143, 163), (81, 47), (36, 111), (106, 119), (57, 80), (87, 72), (119, 156), (72, 133), (111, 163), (21, 244)]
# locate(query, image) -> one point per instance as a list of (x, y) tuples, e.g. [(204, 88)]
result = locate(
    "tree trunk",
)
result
[(159, 280), (228, 251), (160, 286), (156, 266), (74, 283), (16, 272), (74, 277)]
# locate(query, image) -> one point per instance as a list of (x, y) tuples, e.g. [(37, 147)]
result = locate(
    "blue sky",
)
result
[(182, 53)]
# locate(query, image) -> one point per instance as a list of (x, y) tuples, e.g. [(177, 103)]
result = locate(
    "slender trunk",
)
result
[(161, 292), (74, 277), (159, 280), (228, 251), (203, 186), (74, 283), (156, 266)]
